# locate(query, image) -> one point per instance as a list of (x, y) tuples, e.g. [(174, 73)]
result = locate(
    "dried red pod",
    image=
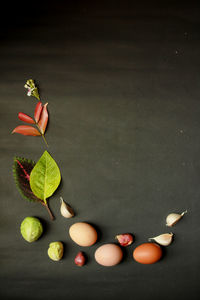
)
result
[(42, 124), (80, 259), (38, 110), (125, 239), (26, 130), (25, 118)]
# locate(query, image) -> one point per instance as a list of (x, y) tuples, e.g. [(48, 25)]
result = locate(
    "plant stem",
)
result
[(49, 211), (42, 135), (45, 140)]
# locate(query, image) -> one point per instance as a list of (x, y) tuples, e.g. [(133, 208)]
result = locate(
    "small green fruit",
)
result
[(55, 251), (31, 229)]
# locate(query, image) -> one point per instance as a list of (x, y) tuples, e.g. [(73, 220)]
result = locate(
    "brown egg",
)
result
[(108, 255), (83, 234), (147, 253)]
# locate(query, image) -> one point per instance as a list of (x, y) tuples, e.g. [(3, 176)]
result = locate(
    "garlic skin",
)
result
[(164, 239), (125, 239), (173, 218), (65, 210)]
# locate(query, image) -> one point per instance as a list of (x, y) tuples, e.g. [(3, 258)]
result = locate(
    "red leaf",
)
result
[(43, 119), (38, 110), (25, 118), (26, 130), (21, 171)]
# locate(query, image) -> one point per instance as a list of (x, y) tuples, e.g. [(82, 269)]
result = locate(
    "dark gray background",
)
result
[(122, 82)]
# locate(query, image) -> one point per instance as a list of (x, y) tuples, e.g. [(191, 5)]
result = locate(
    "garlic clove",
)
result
[(65, 210), (173, 218), (164, 239)]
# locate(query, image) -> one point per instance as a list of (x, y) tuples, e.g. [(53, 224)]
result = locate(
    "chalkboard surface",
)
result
[(121, 79)]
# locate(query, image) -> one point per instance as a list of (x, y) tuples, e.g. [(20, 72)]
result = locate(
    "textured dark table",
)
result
[(122, 79)]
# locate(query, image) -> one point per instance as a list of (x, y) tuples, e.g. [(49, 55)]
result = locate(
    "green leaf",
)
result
[(45, 177)]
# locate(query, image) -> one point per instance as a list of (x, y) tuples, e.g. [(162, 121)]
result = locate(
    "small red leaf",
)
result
[(38, 110), (25, 118), (43, 119), (26, 130)]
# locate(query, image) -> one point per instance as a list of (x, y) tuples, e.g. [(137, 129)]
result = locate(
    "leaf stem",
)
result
[(49, 211), (42, 135), (45, 140)]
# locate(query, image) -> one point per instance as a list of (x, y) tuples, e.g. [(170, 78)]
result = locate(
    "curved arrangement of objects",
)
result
[(37, 182), (108, 255)]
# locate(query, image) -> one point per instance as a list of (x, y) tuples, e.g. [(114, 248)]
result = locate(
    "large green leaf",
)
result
[(45, 177)]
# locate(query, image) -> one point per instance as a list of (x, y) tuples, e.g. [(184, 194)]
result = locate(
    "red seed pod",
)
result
[(79, 259), (125, 239), (38, 110), (43, 119), (26, 130), (25, 118)]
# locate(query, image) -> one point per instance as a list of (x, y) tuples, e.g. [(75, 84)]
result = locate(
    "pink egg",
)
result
[(108, 255), (83, 234)]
